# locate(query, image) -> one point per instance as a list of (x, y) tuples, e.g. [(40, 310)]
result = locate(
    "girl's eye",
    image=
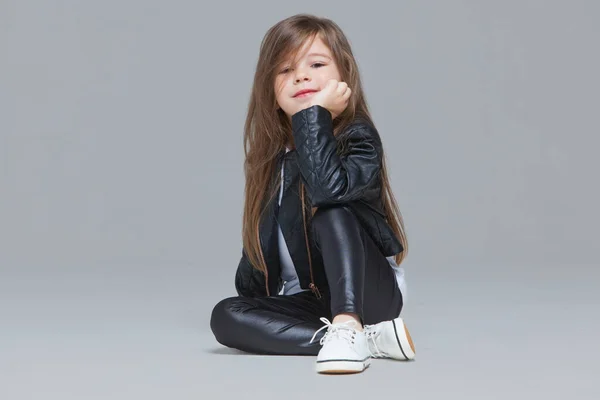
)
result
[(286, 70)]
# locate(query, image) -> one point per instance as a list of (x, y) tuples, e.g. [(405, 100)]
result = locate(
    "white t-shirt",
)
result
[(288, 273)]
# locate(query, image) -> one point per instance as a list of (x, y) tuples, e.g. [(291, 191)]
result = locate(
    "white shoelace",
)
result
[(371, 334), (343, 330)]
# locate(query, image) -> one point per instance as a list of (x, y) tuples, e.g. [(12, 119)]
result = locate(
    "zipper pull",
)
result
[(315, 290)]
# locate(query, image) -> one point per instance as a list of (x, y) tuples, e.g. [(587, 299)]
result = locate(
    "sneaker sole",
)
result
[(405, 343), (341, 366)]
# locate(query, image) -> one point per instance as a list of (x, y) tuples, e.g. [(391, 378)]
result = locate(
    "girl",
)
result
[(322, 234)]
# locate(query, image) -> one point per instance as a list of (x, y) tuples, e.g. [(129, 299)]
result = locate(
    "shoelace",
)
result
[(343, 330), (371, 334)]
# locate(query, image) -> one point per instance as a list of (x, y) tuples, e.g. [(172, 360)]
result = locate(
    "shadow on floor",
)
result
[(227, 351)]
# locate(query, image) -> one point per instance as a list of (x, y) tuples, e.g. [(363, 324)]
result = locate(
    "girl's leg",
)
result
[(362, 289), (281, 325), (361, 280)]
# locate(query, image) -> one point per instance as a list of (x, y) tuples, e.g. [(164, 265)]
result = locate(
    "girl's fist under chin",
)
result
[(334, 97)]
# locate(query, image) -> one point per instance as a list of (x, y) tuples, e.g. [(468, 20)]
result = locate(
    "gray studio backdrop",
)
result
[(121, 147)]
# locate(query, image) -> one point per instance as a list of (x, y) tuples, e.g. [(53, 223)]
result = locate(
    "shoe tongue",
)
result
[(343, 329)]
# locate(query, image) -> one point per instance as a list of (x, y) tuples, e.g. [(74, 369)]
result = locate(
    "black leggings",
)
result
[(360, 278)]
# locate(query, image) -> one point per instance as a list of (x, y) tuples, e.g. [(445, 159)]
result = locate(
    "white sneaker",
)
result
[(390, 339), (345, 349)]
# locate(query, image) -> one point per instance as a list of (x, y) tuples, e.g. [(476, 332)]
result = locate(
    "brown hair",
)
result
[(268, 128)]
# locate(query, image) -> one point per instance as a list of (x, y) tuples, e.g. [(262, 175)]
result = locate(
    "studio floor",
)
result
[(124, 332)]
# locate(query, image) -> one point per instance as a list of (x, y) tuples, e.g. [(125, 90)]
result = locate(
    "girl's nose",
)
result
[(302, 76)]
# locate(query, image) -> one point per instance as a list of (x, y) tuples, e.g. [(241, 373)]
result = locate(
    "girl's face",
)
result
[(314, 68)]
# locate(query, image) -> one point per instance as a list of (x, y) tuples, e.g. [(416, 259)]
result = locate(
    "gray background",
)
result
[(122, 186)]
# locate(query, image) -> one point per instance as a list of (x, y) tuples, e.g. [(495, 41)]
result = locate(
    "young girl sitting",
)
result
[(322, 234)]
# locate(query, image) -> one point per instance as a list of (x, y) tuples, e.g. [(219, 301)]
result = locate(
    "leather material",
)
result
[(344, 250), (286, 324), (289, 216), (269, 325), (343, 170)]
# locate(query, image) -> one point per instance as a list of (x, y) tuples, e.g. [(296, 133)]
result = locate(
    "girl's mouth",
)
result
[(306, 94)]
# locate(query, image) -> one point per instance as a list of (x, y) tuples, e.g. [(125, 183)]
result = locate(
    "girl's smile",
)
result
[(305, 94)]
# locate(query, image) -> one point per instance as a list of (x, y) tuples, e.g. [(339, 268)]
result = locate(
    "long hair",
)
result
[(267, 129)]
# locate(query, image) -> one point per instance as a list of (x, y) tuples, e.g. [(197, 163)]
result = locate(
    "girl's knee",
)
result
[(336, 219), (225, 321), (327, 215)]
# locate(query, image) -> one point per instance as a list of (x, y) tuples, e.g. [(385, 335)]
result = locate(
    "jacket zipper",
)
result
[(312, 285)]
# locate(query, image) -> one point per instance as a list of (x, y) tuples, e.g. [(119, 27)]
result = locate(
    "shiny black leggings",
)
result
[(360, 279)]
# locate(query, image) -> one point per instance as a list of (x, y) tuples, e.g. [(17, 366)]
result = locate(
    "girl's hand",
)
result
[(334, 97)]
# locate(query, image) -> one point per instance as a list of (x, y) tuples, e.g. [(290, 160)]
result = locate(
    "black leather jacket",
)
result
[(332, 176)]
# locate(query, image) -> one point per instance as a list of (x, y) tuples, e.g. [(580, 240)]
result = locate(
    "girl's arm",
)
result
[(330, 178)]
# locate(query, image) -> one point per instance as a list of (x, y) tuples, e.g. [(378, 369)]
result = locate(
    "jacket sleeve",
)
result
[(329, 177), (249, 282)]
